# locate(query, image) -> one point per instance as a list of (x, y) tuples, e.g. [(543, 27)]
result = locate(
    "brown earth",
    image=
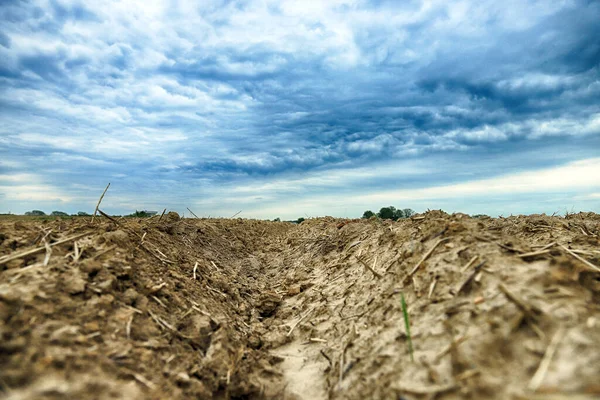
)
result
[(243, 309)]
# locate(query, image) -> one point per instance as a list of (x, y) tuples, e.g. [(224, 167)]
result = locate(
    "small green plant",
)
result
[(407, 326)]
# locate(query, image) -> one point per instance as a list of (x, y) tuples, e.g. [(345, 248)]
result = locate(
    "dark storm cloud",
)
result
[(4, 40), (77, 12)]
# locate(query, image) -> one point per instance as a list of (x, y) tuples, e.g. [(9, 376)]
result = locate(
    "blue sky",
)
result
[(295, 108)]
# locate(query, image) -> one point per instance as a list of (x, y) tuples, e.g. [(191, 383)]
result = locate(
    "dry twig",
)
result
[(192, 213), (528, 309), (128, 327), (295, 324), (77, 252), (103, 252), (449, 348), (471, 262), (149, 384), (469, 277), (158, 301), (48, 253), (539, 375), (377, 274), (216, 291), (425, 257), (161, 215), (100, 201), (433, 389), (162, 322), (26, 253), (530, 312), (432, 287), (583, 260), (157, 288), (505, 247), (142, 245), (534, 253)]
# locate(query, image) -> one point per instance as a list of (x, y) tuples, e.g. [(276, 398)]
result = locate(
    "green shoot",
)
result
[(407, 326)]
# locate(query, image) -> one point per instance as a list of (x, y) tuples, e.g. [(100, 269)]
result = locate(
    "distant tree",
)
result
[(387, 213), (300, 220), (408, 212), (35, 212), (59, 214), (140, 214), (83, 214), (398, 214), (368, 214), (392, 213), (277, 219)]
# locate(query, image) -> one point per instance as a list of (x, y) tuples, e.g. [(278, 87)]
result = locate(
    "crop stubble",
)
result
[(233, 308)]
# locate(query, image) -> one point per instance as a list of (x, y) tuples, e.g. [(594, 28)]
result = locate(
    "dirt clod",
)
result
[(75, 284)]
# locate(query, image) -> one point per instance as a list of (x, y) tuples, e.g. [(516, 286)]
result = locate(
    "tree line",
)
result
[(40, 213), (390, 212)]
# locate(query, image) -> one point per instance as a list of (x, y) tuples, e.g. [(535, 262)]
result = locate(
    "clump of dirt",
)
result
[(231, 308)]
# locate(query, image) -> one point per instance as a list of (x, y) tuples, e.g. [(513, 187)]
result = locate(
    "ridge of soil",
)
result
[(246, 309)]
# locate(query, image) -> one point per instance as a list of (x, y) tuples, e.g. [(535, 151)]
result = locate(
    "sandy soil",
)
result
[(242, 309)]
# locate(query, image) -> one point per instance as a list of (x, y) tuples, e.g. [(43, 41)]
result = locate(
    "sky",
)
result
[(300, 108)]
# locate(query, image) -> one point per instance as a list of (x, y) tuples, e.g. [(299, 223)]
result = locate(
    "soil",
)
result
[(244, 309)]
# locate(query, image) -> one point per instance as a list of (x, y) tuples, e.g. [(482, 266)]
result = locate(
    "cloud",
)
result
[(179, 100), (547, 190), (579, 175), (29, 187)]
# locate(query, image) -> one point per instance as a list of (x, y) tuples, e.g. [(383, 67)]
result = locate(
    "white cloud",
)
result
[(531, 128), (38, 193), (290, 199), (571, 177), (30, 187), (590, 196), (537, 80)]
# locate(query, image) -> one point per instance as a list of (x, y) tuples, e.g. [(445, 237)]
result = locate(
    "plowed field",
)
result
[(175, 308)]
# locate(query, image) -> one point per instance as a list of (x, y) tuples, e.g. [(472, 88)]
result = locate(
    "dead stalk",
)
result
[(583, 260), (26, 253), (128, 327), (100, 201), (466, 267), (426, 256), (432, 287), (48, 253), (300, 320), (195, 216), (363, 262), (539, 375)]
